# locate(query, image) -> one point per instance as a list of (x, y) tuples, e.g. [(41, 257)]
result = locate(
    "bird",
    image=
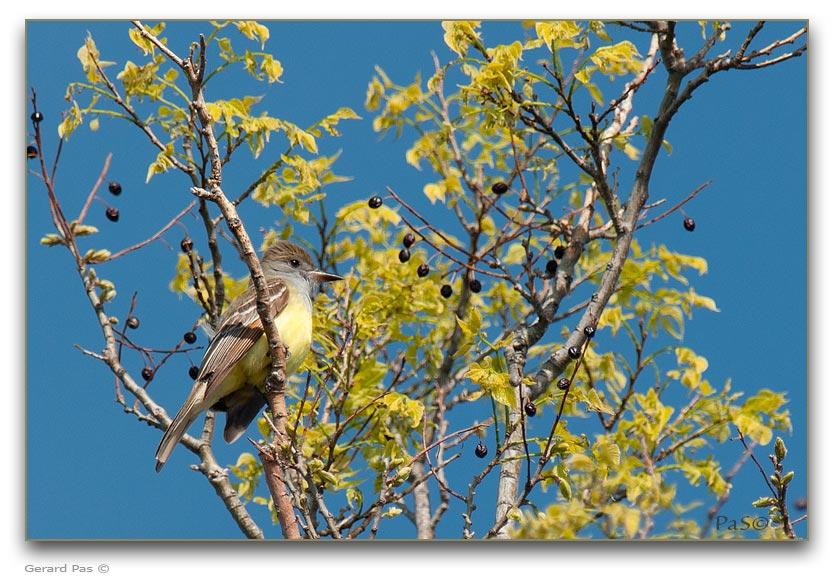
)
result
[(236, 362)]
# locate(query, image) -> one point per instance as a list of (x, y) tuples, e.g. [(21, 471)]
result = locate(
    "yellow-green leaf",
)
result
[(90, 62), (271, 68), (435, 192), (596, 404), (558, 34), (497, 384), (392, 512), (83, 229), (52, 240), (96, 256), (402, 405), (516, 254), (252, 30), (753, 429), (473, 323), (70, 122), (162, 163), (617, 59), (460, 34)]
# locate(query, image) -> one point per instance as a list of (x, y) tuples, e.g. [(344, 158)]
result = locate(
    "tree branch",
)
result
[(275, 383)]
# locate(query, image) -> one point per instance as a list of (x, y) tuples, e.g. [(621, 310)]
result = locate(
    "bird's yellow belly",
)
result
[(295, 327)]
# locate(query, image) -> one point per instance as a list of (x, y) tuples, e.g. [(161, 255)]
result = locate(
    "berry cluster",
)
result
[(132, 322), (423, 270), (112, 213), (409, 239), (190, 338), (575, 353)]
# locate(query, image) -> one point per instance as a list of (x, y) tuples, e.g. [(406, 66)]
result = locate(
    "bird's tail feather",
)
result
[(190, 410)]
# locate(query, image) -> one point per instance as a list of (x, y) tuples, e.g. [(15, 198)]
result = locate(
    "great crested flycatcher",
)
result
[(237, 362)]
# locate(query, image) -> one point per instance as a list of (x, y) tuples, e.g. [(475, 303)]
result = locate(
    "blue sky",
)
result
[(90, 468)]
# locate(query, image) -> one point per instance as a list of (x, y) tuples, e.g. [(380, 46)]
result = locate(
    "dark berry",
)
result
[(375, 202), (133, 322), (37, 117), (551, 266), (689, 224), (115, 187), (405, 255), (423, 270), (563, 384), (481, 450), (559, 252), (445, 290), (112, 214), (31, 152), (186, 244), (147, 373), (475, 285), (589, 331), (189, 337), (194, 372), (530, 408), (409, 239), (574, 352), (499, 187)]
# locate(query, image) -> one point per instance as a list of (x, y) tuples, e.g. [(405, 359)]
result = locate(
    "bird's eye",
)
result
[(295, 263)]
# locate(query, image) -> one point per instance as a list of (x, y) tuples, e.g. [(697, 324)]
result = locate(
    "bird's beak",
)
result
[(322, 277)]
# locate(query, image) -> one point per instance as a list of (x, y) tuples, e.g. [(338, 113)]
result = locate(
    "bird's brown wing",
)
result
[(240, 327)]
